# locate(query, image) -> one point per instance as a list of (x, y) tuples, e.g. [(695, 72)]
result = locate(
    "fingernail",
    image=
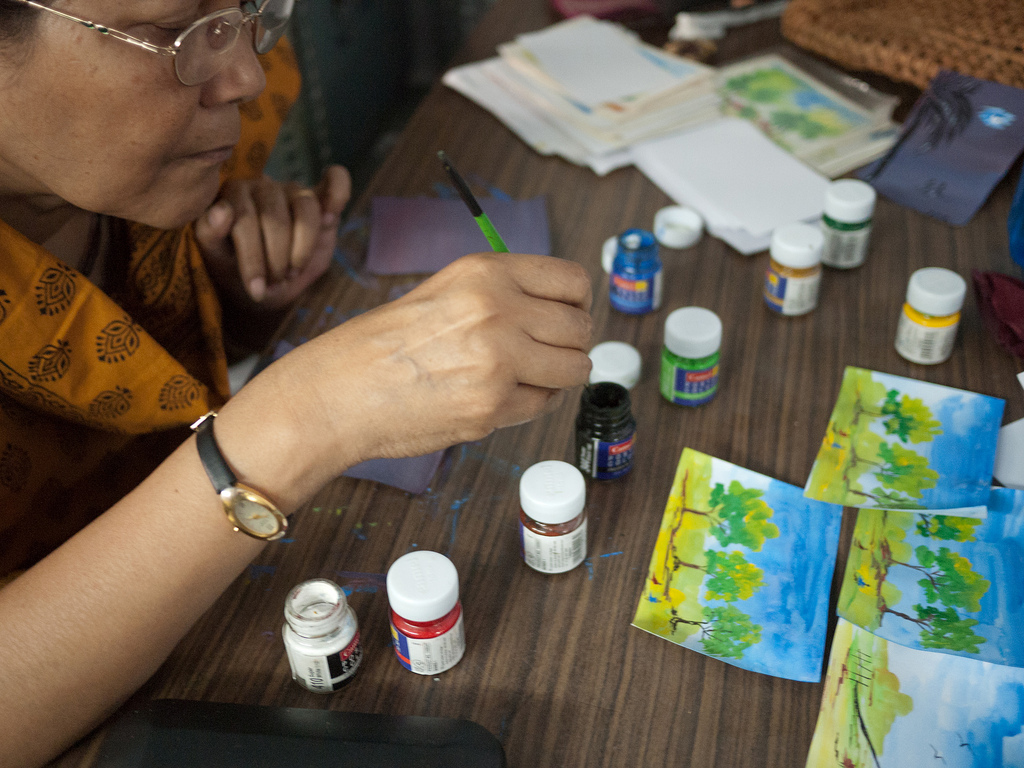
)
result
[(257, 288), (219, 214)]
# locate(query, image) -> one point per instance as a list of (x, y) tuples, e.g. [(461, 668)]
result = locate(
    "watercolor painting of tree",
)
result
[(902, 444), (934, 582), (732, 556), (888, 705)]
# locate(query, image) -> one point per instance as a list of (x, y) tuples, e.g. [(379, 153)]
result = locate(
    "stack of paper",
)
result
[(741, 183), (587, 90)]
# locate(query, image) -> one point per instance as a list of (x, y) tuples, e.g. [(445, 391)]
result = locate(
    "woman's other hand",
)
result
[(264, 242)]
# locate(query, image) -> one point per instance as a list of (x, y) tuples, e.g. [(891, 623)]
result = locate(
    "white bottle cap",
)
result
[(850, 201), (552, 492), (797, 246), (608, 253), (677, 226), (693, 332), (936, 291), (422, 586), (615, 361)]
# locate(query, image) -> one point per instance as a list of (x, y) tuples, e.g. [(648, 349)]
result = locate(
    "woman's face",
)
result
[(107, 126)]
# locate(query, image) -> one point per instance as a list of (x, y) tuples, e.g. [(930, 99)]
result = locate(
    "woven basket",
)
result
[(911, 40)]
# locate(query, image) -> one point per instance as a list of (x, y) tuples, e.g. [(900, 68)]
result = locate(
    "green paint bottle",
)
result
[(689, 359)]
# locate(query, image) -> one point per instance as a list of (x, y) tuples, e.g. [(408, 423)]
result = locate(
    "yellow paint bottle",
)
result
[(931, 315)]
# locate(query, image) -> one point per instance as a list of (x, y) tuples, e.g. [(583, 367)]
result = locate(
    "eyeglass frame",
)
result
[(174, 48)]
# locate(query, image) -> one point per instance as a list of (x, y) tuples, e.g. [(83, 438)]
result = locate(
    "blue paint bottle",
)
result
[(634, 285)]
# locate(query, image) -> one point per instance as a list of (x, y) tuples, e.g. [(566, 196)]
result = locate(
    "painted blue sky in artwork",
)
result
[(969, 712), (998, 555), (964, 453), (792, 607)]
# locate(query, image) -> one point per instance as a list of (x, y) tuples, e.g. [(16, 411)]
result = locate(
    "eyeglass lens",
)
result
[(198, 60)]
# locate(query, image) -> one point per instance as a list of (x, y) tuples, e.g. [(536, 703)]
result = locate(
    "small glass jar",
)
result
[(793, 278), (552, 518), (930, 316), (426, 615), (634, 285), (689, 359), (321, 636), (846, 223), (605, 431)]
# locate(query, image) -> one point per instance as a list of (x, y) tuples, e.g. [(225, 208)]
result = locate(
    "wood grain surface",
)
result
[(553, 667)]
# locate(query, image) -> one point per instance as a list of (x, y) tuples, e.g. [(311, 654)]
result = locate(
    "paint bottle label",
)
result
[(791, 291), (637, 294), (846, 245), (323, 674), (554, 554), (687, 381), (925, 339), (606, 461), (431, 655)]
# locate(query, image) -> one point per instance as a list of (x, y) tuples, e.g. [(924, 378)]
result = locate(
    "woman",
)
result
[(109, 150)]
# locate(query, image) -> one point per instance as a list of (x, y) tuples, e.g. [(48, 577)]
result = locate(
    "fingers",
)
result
[(550, 278)]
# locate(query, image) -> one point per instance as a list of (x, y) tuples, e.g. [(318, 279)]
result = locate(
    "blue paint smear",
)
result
[(258, 571), (611, 554), (590, 568)]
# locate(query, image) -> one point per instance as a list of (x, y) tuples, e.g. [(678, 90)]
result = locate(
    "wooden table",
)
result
[(553, 667)]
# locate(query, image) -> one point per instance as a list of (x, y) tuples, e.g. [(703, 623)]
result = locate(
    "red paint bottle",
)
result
[(426, 615)]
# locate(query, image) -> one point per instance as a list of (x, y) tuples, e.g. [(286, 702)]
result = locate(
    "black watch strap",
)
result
[(217, 469)]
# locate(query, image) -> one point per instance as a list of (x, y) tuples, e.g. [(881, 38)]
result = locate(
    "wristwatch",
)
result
[(248, 510)]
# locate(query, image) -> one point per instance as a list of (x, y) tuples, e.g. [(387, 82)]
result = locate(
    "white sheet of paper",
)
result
[(1009, 468), (1020, 378), (733, 175), (595, 61)]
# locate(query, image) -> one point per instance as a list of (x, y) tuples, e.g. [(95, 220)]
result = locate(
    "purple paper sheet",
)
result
[(411, 235), (411, 474)]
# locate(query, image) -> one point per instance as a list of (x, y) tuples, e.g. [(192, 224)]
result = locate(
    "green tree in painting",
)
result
[(731, 577), (743, 517), (947, 629), (765, 85), (801, 124), (947, 528), (909, 418), (950, 580), (725, 631)]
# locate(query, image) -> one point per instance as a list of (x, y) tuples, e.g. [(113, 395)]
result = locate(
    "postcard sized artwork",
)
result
[(741, 570), (897, 443), (949, 584), (887, 705)]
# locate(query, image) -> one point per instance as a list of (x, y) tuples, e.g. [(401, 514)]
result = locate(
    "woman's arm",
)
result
[(488, 342)]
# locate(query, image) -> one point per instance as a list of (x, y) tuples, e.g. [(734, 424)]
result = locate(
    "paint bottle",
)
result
[(321, 636), (689, 359), (552, 519), (634, 284), (605, 431), (846, 223), (794, 270), (930, 316), (426, 615)]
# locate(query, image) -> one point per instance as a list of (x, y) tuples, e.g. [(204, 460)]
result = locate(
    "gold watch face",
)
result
[(253, 514)]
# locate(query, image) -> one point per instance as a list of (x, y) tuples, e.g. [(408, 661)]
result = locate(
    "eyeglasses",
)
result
[(198, 50)]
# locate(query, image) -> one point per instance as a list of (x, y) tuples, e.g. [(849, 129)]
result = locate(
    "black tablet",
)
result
[(170, 732)]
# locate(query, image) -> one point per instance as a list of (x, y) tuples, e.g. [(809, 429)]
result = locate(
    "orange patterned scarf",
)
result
[(95, 388)]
